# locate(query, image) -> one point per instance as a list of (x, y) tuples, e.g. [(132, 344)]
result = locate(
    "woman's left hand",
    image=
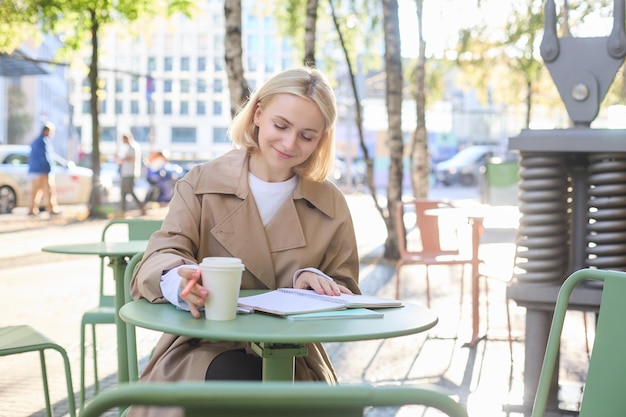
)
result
[(311, 280)]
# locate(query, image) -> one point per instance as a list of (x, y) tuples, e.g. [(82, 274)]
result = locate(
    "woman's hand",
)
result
[(319, 284), (196, 294)]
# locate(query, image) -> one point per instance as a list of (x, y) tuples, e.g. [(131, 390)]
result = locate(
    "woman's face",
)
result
[(290, 129)]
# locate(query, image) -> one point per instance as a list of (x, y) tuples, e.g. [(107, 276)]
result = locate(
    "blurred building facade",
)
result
[(170, 88), (32, 92)]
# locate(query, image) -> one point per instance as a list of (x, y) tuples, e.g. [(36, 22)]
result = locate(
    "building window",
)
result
[(270, 44), (184, 86), (251, 64), (119, 85), (253, 44), (134, 107), (167, 107), (218, 86), (152, 64), (220, 135), (184, 107), (201, 63), (218, 64), (134, 85), (183, 135), (119, 107), (269, 64), (201, 85), (167, 86), (217, 108), (141, 133), (86, 107), (109, 134), (200, 108), (184, 63), (168, 63)]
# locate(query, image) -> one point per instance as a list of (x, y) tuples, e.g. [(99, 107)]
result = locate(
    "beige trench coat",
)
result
[(213, 213)]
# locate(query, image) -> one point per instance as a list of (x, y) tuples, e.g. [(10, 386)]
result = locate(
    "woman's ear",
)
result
[(257, 114)]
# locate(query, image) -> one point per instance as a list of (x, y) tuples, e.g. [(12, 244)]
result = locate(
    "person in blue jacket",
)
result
[(39, 168)]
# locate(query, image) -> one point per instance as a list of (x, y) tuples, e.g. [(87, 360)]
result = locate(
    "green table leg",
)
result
[(279, 359), (118, 263)]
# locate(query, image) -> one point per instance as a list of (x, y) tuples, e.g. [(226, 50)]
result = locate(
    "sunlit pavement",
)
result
[(50, 292)]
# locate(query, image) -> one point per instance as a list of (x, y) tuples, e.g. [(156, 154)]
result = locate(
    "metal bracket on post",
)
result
[(278, 359), (583, 69)]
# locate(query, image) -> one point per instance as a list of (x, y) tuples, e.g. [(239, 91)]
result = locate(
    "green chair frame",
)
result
[(104, 312), (22, 339), (271, 399), (131, 334), (606, 376)]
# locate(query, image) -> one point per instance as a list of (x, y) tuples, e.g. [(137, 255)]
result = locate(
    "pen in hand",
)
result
[(189, 286)]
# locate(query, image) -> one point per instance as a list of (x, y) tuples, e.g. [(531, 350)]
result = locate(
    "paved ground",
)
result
[(50, 292)]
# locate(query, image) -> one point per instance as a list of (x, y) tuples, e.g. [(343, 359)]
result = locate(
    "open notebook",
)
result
[(288, 301)]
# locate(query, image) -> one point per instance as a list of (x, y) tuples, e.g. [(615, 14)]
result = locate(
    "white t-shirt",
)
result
[(132, 166), (269, 197)]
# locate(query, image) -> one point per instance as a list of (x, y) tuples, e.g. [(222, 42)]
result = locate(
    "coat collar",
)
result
[(284, 232), (233, 179)]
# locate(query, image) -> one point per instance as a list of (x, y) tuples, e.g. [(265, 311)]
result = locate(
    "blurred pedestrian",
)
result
[(130, 170), (40, 164)]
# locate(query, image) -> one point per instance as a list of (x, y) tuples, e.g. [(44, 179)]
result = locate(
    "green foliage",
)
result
[(18, 22)]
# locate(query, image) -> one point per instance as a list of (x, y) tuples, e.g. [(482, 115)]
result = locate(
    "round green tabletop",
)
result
[(99, 248), (265, 328)]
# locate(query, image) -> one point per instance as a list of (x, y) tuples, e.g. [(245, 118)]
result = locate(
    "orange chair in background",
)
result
[(420, 241)]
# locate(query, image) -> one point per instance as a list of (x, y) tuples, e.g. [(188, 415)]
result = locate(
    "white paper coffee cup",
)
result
[(221, 276)]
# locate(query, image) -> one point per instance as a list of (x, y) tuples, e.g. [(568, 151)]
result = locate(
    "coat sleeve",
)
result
[(173, 245), (341, 259)]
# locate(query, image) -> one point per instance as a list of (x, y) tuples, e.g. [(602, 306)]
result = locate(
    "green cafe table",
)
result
[(276, 340), (117, 252)]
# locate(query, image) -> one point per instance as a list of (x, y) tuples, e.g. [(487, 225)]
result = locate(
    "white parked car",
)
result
[(71, 182), (465, 167)]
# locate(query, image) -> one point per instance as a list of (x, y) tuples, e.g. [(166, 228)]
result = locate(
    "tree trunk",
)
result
[(419, 161), (309, 31), (529, 102), (393, 66), (237, 84), (95, 201)]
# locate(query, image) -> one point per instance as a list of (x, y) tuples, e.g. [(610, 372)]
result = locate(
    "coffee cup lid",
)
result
[(221, 261)]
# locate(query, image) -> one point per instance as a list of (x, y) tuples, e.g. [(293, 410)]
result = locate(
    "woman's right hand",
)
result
[(197, 294)]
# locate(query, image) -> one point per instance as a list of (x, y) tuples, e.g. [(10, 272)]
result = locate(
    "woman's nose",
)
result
[(289, 141)]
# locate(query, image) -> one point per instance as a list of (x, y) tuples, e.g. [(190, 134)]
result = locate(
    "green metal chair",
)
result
[(272, 399), (22, 339), (131, 334), (606, 377), (104, 312)]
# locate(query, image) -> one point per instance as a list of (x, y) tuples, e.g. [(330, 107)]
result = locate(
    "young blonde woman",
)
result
[(268, 203)]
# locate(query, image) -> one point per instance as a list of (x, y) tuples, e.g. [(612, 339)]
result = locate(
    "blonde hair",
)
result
[(307, 83)]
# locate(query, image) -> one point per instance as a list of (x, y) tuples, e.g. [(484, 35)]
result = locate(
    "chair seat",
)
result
[(22, 339), (18, 339), (99, 315)]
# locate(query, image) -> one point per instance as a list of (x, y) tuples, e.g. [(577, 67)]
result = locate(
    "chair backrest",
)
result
[(428, 226), (272, 399), (130, 229), (131, 334), (124, 230), (606, 376)]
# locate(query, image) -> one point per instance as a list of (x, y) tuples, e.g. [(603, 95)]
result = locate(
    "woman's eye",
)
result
[(278, 126), (307, 138)]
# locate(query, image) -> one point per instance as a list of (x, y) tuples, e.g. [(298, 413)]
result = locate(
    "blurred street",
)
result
[(50, 292)]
